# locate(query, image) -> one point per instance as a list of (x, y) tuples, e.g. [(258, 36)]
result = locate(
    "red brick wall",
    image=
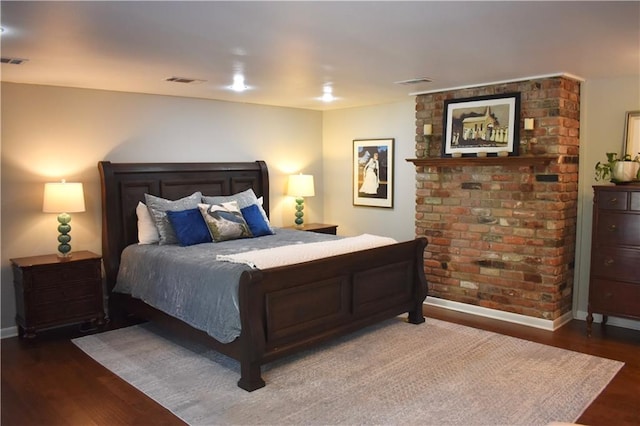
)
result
[(503, 237)]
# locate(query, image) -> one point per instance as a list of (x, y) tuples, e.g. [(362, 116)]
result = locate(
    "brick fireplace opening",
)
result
[(502, 233)]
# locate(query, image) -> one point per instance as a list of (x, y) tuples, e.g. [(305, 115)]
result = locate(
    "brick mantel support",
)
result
[(502, 234)]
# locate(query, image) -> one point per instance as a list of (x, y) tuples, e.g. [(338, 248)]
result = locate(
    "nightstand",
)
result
[(321, 228), (51, 291)]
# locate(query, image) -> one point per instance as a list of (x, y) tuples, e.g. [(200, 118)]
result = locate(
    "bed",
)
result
[(283, 309)]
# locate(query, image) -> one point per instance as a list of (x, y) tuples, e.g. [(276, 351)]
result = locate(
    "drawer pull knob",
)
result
[(612, 227), (608, 295), (609, 261), (613, 200)]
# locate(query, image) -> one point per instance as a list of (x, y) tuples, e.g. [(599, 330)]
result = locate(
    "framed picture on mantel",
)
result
[(483, 125)]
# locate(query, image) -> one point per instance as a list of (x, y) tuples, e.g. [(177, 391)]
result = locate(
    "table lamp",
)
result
[(63, 198), (300, 186)]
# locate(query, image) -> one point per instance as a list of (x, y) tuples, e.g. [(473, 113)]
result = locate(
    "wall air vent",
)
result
[(412, 81), (12, 61), (184, 80)]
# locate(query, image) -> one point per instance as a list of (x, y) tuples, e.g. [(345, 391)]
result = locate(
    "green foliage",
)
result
[(604, 171)]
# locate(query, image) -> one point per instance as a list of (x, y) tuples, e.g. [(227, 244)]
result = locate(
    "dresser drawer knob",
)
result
[(608, 295), (612, 227), (609, 261), (613, 200)]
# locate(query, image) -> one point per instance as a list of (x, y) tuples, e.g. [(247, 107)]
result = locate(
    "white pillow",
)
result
[(147, 231)]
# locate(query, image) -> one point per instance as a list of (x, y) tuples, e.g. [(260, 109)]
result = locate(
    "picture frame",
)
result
[(481, 125), (373, 171), (632, 134)]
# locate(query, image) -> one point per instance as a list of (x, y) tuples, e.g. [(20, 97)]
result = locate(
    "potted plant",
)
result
[(618, 170)]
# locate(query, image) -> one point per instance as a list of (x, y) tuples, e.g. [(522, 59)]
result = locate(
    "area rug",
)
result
[(436, 373)]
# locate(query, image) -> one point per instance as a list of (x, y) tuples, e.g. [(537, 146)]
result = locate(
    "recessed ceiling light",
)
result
[(327, 94), (238, 83)]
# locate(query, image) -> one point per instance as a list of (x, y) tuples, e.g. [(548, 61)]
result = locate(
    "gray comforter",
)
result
[(189, 284)]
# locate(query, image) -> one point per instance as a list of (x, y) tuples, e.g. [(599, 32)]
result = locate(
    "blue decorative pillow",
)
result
[(253, 216), (189, 227)]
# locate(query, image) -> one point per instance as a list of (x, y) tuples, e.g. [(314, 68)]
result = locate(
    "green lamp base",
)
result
[(64, 228), (299, 214)]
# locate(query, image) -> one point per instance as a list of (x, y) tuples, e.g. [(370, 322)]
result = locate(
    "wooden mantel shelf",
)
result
[(483, 161)]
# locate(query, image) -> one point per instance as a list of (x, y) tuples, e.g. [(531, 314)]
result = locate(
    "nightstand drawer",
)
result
[(64, 294), (53, 276), (60, 313)]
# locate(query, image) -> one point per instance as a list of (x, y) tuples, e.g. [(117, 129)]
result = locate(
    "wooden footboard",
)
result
[(287, 309)]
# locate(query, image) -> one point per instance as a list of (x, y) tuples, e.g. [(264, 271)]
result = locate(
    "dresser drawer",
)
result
[(64, 294), (612, 200), (618, 229), (617, 263), (615, 298), (635, 201), (52, 276)]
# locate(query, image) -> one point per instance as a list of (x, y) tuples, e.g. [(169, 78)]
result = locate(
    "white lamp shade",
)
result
[(63, 197), (301, 186)]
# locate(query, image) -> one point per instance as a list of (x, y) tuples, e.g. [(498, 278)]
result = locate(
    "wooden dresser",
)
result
[(614, 287)]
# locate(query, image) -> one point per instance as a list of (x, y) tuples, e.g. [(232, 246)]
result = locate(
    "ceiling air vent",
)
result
[(13, 61), (412, 81), (184, 80)]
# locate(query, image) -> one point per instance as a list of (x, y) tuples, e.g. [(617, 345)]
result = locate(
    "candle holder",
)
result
[(427, 146)]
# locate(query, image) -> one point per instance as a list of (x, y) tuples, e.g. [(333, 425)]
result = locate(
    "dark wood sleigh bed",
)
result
[(282, 310)]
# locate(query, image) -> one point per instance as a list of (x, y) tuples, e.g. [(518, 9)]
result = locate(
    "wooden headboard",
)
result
[(124, 185)]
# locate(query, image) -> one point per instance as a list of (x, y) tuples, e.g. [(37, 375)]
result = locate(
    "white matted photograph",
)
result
[(483, 124), (373, 172)]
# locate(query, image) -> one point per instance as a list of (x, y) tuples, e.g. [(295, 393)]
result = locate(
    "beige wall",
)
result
[(340, 128), (49, 133)]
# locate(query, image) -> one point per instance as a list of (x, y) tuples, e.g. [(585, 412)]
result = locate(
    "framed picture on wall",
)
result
[(373, 172), (632, 134), (483, 124)]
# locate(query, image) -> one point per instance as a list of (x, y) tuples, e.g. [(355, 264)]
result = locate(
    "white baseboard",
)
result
[(8, 332), (550, 325)]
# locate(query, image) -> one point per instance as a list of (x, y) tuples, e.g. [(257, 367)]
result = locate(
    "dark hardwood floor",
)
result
[(49, 381)]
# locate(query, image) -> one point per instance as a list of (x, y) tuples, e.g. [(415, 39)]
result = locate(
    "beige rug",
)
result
[(435, 373)]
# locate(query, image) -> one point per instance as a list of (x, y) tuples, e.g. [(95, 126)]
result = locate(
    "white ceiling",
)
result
[(289, 50)]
